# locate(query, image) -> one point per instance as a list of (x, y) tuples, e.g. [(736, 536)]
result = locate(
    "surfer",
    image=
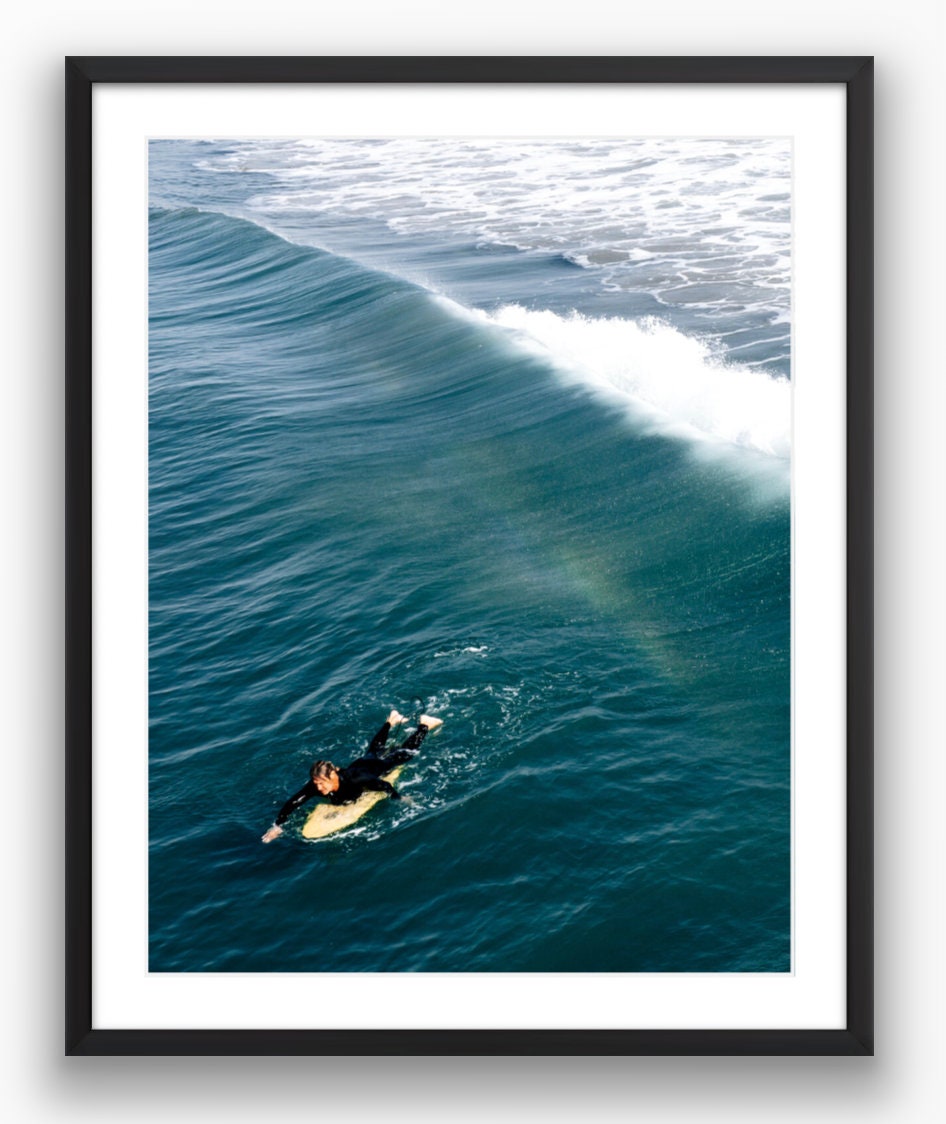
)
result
[(342, 786)]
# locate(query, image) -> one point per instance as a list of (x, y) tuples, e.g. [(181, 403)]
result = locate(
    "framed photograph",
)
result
[(469, 570)]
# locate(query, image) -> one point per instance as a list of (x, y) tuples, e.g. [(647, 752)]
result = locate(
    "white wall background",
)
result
[(903, 1082)]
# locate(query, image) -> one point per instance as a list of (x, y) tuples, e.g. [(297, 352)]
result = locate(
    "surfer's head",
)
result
[(324, 776)]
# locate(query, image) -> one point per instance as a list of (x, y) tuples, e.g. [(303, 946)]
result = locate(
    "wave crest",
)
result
[(676, 381)]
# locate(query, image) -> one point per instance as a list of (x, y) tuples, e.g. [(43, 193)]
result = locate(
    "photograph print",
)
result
[(469, 559)]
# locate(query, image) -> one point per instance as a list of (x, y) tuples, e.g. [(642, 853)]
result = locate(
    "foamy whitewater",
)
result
[(703, 221), (499, 430), (656, 372), (696, 233)]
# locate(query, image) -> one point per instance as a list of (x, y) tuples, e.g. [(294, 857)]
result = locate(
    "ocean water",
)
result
[(499, 430)]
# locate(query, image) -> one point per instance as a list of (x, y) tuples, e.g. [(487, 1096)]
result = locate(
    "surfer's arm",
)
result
[(305, 793), (376, 784), (295, 801)]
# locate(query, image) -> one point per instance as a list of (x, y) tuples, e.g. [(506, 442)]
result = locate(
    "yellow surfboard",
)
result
[(326, 819)]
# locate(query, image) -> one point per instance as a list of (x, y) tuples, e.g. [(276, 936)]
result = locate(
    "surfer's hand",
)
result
[(273, 833), (395, 795)]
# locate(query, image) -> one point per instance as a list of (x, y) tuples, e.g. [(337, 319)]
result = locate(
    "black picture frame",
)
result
[(856, 75)]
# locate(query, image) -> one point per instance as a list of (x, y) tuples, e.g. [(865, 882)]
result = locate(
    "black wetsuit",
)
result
[(363, 775)]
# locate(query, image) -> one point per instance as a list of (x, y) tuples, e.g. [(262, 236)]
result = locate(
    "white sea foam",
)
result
[(697, 222), (674, 381), (667, 214), (475, 651)]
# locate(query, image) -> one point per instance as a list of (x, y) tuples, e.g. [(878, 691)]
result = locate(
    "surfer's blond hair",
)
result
[(322, 769)]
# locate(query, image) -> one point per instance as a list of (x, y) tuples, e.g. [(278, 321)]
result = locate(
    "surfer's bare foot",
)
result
[(430, 722), (395, 718)]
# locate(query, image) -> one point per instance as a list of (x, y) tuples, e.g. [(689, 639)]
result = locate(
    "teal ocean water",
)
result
[(499, 431)]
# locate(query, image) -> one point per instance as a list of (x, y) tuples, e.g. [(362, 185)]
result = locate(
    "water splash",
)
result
[(680, 383)]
